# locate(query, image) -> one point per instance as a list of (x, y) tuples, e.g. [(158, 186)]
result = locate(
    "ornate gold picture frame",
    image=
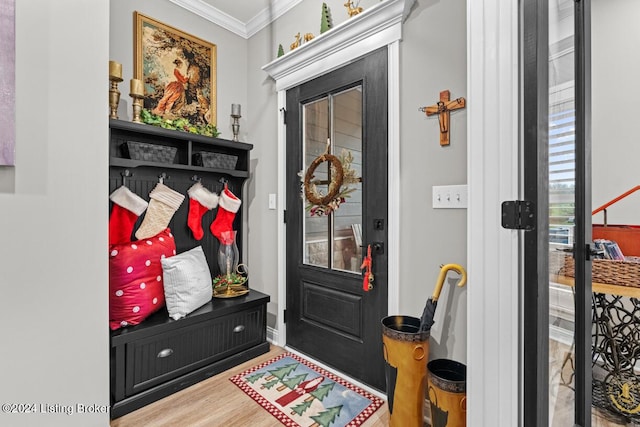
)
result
[(178, 71)]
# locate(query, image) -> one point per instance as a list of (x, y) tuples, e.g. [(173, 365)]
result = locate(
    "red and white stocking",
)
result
[(201, 200), (228, 205), (127, 207)]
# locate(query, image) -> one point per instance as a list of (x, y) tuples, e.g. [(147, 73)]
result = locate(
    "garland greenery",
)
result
[(180, 124), (224, 280)]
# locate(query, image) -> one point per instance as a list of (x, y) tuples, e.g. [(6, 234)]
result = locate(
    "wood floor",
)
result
[(561, 396), (216, 402)]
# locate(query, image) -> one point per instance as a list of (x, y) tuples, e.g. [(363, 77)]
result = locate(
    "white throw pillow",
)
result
[(187, 282)]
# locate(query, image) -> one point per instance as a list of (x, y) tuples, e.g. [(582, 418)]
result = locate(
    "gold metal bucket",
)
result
[(406, 351), (447, 393)]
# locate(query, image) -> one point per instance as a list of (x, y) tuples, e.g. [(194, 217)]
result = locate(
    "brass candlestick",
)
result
[(137, 107), (137, 93), (115, 77)]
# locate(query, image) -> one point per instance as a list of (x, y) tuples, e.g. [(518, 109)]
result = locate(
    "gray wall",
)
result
[(433, 58), (53, 227), (429, 237), (615, 87)]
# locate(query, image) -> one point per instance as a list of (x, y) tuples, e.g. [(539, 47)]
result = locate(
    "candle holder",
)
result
[(236, 127), (115, 77), (137, 107), (235, 115), (137, 93)]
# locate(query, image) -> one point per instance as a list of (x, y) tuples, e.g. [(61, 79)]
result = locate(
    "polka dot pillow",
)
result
[(135, 278)]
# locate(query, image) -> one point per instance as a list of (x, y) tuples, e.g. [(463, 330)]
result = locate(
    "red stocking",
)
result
[(127, 207), (201, 200), (228, 206)]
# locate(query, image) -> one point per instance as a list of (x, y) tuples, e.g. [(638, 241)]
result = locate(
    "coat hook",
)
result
[(162, 177), (125, 174), (224, 181)]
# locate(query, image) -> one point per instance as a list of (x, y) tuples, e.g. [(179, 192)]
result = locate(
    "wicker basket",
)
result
[(136, 150), (214, 160), (621, 273)]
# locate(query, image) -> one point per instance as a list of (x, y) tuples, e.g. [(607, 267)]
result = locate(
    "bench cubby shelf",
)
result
[(186, 144), (160, 355)]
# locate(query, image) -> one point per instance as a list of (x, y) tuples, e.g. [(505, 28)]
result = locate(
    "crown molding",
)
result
[(228, 22), (268, 15), (214, 15), (374, 28)]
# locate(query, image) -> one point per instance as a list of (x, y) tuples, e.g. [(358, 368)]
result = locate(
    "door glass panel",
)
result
[(561, 211), (615, 351), (333, 232), (347, 146), (315, 121)]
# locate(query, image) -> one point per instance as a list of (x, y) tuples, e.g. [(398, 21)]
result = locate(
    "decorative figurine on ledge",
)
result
[(325, 22), (296, 43), (351, 9)]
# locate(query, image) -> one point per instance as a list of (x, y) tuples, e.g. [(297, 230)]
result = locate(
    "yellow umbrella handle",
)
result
[(444, 269)]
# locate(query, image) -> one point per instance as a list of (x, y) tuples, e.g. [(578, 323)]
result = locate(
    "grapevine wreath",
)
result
[(341, 176)]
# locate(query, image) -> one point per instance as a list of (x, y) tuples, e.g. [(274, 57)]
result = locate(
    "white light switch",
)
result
[(272, 201), (450, 196)]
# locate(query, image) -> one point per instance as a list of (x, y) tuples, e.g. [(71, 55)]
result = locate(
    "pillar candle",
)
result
[(115, 69), (235, 109), (136, 87)]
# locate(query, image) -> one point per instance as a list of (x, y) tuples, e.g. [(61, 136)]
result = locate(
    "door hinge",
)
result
[(518, 215), (284, 115), (284, 216), (284, 315)]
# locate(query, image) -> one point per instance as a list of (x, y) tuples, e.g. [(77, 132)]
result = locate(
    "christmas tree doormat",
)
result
[(299, 393)]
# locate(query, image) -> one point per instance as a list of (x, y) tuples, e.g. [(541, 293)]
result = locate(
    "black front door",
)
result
[(337, 128)]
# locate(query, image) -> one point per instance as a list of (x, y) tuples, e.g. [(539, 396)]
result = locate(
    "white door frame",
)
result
[(377, 27), (493, 319)]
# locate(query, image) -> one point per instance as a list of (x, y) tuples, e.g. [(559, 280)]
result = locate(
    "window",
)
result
[(561, 143)]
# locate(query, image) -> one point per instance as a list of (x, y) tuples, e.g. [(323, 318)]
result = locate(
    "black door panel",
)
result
[(330, 316)]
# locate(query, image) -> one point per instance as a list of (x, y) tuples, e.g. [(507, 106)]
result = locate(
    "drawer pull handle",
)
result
[(238, 329), (165, 353)]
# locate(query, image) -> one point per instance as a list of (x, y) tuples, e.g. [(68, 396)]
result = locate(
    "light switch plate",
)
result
[(272, 201), (449, 196)]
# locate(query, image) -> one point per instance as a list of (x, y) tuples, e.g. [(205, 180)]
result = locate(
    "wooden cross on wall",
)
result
[(443, 109)]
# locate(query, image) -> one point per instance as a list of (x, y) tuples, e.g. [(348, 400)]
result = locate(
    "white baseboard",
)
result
[(272, 335)]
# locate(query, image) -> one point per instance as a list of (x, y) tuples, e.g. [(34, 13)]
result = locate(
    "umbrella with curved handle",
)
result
[(426, 321)]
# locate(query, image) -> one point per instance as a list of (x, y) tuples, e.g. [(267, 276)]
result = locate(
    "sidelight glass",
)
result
[(562, 190), (333, 232)]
